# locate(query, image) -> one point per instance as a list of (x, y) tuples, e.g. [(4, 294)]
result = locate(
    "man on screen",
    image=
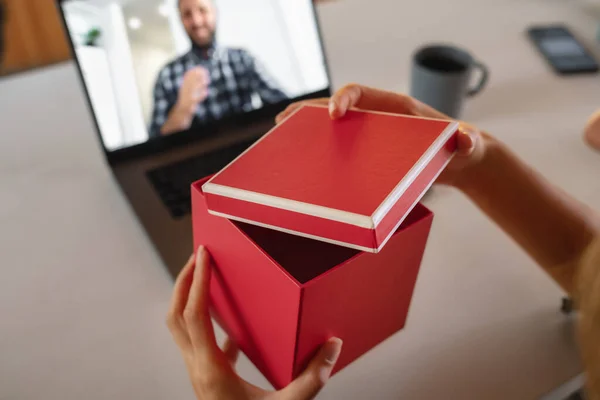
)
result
[(209, 82)]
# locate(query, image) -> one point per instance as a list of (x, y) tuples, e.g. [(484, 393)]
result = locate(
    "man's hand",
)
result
[(471, 143), (211, 369), (193, 91)]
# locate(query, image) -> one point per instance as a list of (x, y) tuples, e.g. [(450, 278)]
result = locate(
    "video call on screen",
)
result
[(155, 67)]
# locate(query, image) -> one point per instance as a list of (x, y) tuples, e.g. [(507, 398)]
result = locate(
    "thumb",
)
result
[(316, 375), (466, 140)]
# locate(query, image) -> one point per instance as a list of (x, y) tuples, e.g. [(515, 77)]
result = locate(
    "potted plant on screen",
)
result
[(92, 36)]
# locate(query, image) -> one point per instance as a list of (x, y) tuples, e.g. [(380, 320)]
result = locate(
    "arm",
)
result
[(560, 233), (167, 116), (551, 226), (555, 229), (178, 119), (588, 300), (174, 111), (261, 82)]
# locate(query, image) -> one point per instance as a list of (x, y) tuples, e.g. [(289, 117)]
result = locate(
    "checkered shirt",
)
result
[(235, 78)]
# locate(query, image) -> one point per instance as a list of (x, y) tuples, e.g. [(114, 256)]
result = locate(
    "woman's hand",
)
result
[(211, 369), (471, 143), (592, 131)]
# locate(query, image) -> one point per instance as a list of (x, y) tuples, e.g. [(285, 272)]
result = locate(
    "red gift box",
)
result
[(349, 182), (281, 296), (353, 184)]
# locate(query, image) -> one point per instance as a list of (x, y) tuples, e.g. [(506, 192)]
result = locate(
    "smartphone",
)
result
[(565, 54)]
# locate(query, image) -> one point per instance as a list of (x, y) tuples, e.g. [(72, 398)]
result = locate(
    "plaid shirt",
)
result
[(236, 79)]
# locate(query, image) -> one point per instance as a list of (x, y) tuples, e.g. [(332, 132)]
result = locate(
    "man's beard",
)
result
[(205, 44)]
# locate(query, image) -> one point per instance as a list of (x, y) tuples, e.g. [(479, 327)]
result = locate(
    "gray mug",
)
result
[(441, 77)]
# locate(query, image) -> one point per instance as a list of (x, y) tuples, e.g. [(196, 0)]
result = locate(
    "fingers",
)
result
[(372, 99), (195, 73), (312, 380), (231, 351), (205, 77), (295, 106), (467, 140), (470, 149), (182, 288), (368, 98), (202, 81), (592, 131), (199, 95), (198, 76), (178, 301), (196, 313)]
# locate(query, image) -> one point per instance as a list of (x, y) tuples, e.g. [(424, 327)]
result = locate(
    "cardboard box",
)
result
[(281, 296), (349, 182)]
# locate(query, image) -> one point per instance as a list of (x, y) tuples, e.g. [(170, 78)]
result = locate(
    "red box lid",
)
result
[(349, 182)]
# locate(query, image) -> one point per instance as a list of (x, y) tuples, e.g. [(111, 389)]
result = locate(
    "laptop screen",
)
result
[(154, 68)]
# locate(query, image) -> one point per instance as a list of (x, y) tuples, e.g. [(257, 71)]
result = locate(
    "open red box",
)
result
[(349, 182), (281, 296)]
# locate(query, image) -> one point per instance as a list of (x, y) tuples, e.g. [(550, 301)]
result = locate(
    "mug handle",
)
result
[(485, 74)]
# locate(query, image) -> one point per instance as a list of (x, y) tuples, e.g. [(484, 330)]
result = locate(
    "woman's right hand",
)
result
[(471, 142), (592, 131)]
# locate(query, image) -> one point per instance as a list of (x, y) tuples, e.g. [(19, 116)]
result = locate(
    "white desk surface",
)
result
[(83, 295)]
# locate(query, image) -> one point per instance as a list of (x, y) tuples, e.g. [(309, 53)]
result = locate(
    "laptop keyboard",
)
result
[(172, 182)]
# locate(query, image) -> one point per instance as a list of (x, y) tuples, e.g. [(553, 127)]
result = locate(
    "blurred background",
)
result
[(83, 292)]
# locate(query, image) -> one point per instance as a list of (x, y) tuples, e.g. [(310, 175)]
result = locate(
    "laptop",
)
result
[(179, 88)]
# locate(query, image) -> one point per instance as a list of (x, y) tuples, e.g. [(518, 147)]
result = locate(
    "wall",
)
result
[(257, 26), (180, 37), (116, 70), (147, 62), (33, 34), (298, 17), (117, 47), (95, 68), (96, 73), (80, 19)]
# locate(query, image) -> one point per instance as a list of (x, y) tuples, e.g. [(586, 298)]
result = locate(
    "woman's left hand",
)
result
[(211, 369)]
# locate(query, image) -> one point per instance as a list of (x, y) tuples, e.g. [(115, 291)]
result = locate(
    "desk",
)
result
[(83, 295)]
